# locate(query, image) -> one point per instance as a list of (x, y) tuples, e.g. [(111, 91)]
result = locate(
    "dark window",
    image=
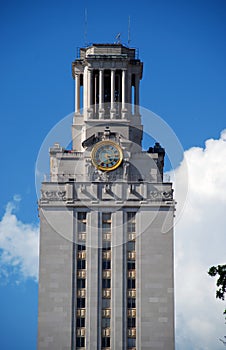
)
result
[(106, 322), (131, 283), (106, 283), (106, 264), (131, 342), (80, 342), (131, 322), (105, 342), (106, 303), (131, 216), (106, 227), (131, 303), (106, 245), (106, 217), (81, 247), (81, 302), (131, 225), (130, 246), (81, 283), (81, 226), (131, 265), (81, 264), (106, 223), (81, 239), (82, 215), (80, 322), (82, 222)]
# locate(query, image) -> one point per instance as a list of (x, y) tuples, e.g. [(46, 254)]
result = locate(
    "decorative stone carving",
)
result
[(107, 188), (54, 195), (161, 195), (125, 170), (89, 170), (103, 176), (98, 175), (131, 188)]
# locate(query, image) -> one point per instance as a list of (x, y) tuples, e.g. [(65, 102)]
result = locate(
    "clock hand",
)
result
[(108, 156)]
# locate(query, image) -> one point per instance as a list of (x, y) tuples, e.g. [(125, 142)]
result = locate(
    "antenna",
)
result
[(129, 40), (85, 28)]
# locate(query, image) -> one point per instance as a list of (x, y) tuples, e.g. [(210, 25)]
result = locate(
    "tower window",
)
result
[(106, 303), (106, 223), (81, 264), (131, 223), (131, 265), (130, 246), (80, 322), (106, 227), (106, 283), (81, 303), (131, 343), (106, 322), (106, 245), (81, 283), (81, 247), (131, 303), (82, 215), (82, 222), (106, 264), (131, 283), (106, 342), (106, 217), (80, 342), (131, 322)]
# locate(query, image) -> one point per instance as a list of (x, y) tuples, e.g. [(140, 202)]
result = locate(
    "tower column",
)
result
[(101, 93), (124, 93), (77, 93), (95, 93), (112, 93), (119, 107), (90, 92), (85, 92), (123, 88), (129, 91), (137, 96), (90, 88)]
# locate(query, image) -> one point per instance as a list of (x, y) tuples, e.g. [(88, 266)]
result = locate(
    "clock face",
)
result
[(106, 155)]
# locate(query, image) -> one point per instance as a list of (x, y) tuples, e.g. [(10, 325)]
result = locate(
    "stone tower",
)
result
[(106, 235)]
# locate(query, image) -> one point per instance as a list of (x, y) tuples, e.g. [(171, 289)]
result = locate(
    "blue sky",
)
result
[(182, 45)]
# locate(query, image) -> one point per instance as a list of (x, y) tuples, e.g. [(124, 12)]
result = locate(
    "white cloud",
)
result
[(19, 244), (200, 242)]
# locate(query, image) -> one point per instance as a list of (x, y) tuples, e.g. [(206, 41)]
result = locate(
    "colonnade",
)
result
[(94, 90)]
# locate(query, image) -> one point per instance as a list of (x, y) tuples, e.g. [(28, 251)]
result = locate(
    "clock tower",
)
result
[(106, 219)]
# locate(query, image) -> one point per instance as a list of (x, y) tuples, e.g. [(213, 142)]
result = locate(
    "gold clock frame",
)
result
[(100, 144)]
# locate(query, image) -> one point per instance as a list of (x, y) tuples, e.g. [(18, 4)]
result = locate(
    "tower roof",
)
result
[(107, 50)]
